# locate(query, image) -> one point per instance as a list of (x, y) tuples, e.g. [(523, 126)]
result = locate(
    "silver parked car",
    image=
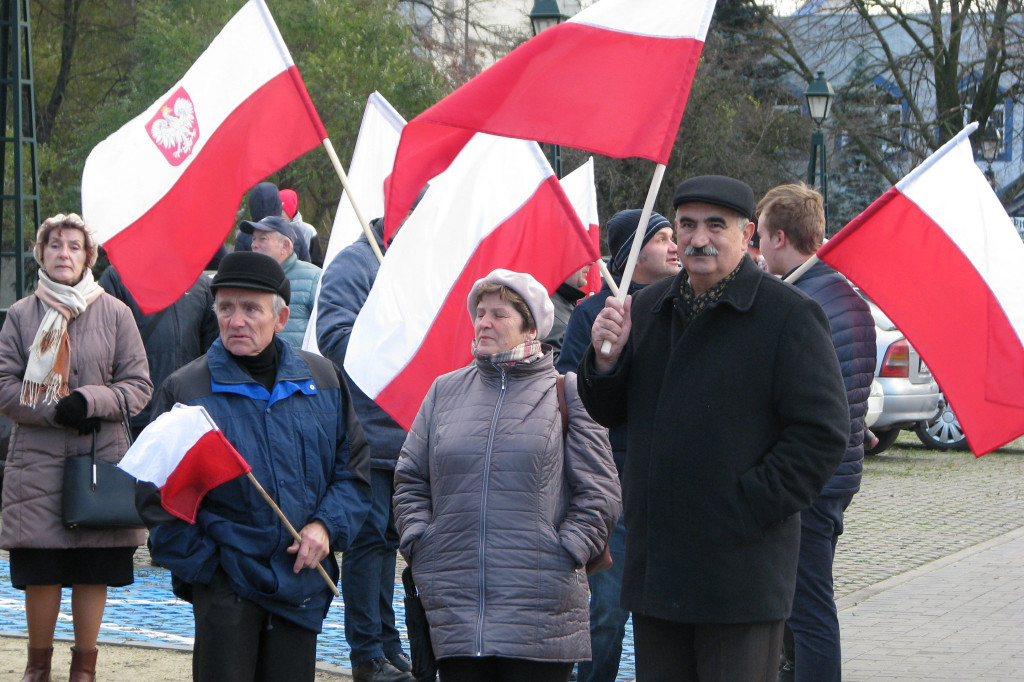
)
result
[(942, 432), (910, 393)]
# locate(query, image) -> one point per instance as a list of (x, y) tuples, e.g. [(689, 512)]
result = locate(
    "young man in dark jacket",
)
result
[(257, 597), (737, 418), (791, 224)]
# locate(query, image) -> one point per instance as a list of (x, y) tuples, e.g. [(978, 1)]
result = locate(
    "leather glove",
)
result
[(72, 412)]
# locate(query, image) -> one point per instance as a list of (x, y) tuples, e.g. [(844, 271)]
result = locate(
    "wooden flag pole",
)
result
[(607, 276), (804, 267), (291, 529), (638, 242), (352, 200)]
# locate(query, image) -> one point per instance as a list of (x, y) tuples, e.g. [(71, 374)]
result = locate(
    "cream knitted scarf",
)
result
[(49, 356)]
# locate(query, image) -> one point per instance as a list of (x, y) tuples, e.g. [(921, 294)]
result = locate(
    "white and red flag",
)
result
[(372, 159), (579, 186), (940, 256), (162, 192), (499, 205), (613, 80), (185, 455)]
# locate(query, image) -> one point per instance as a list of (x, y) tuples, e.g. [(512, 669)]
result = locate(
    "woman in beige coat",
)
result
[(70, 355)]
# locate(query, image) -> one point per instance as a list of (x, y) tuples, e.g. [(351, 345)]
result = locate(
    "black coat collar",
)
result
[(740, 294)]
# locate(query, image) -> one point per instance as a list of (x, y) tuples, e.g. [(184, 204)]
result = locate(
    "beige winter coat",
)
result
[(106, 350)]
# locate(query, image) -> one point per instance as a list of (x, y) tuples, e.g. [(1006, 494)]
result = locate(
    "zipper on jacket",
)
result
[(483, 513)]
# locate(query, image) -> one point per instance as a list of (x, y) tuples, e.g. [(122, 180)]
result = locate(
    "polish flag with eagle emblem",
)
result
[(161, 193)]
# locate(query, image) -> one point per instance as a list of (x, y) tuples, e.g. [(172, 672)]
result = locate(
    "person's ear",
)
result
[(282, 319)]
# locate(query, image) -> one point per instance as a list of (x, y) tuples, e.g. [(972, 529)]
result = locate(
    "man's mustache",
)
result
[(708, 250)]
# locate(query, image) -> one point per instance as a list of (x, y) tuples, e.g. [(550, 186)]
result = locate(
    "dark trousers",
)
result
[(706, 652), (368, 578), (607, 618), (815, 621), (239, 641), (497, 669)]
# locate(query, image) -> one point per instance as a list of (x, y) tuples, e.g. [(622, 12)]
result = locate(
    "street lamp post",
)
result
[(991, 147), (819, 96), (545, 14)]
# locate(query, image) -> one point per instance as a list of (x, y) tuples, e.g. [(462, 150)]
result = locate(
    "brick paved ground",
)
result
[(958, 618), (930, 571), (918, 505)]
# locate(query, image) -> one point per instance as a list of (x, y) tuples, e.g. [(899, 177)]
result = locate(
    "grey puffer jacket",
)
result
[(496, 522), (106, 355)]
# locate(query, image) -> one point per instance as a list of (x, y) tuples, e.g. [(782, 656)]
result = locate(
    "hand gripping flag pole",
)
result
[(638, 242), (284, 519)]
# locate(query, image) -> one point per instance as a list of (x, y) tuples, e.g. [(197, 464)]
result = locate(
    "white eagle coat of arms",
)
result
[(174, 128)]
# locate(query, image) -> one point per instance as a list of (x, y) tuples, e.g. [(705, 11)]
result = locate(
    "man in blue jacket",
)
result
[(791, 224), (257, 597), (657, 260)]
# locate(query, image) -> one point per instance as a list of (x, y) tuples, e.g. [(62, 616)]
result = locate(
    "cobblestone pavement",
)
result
[(918, 505), (957, 618)]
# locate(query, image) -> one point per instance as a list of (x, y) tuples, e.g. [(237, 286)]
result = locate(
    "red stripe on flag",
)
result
[(974, 353), (161, 254), (573, 85), (523, 243), (609, 93), (209, 463)]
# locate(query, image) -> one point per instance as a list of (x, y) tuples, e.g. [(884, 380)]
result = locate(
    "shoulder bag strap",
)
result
[(562, 407), (122, 404)]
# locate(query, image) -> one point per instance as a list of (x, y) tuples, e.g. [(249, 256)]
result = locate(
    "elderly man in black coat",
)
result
[(737, 418)]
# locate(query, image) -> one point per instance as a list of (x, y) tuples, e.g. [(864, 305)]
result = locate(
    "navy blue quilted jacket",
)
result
[(296, 439), (344, 287), (853, 335)]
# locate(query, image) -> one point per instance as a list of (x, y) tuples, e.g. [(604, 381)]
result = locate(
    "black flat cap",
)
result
[(718, 190), (251, 270)]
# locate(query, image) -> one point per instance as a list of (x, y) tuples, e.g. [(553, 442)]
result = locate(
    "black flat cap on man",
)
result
[(718, 190), (251, 270)]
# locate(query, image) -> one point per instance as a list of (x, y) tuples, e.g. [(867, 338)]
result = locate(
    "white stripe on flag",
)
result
[(163, 444), (579, 187), (655, 18), (467, 195), (372, 159), (955, 194)]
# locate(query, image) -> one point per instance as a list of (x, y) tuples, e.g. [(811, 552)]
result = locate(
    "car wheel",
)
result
[(942, 432), (886, 437)]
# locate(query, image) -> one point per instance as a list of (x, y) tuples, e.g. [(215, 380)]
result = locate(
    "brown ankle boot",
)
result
[(83, 665), (38, 668)]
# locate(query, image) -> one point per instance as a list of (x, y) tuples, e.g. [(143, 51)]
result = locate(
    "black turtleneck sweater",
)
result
[(263, 366)]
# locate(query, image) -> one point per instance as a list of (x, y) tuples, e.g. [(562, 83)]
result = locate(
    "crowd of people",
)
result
[(683, 456)]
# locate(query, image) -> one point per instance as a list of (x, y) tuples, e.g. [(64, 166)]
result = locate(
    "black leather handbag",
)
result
[(98, 494), (424, 666)]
